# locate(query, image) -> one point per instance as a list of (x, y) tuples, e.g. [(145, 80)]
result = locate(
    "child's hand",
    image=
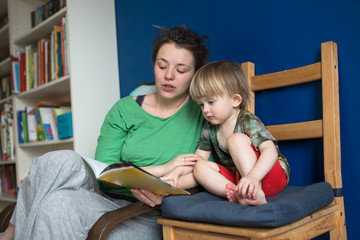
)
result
[(172, 178), (248, 187)]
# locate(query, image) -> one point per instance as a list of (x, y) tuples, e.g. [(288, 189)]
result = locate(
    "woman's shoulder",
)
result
[(125, 104), (125, 101)]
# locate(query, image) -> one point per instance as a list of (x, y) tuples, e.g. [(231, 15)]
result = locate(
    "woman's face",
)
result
[(173, 69)]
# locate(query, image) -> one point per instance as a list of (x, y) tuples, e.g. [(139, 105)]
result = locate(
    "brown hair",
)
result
[(185, 38), (218, 78)]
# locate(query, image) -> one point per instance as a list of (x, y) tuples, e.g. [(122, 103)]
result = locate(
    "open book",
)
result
[(128, 175)]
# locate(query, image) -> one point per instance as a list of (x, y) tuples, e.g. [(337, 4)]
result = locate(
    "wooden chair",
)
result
[(330, 218)]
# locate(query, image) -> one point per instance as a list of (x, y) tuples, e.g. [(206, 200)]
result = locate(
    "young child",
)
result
[(250, 166)]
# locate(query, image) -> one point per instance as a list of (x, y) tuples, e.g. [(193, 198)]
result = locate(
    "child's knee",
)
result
[(238, 139), (204, 166), (200, 166)]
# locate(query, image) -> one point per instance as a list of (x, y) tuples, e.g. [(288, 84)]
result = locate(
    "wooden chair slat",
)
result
[(296, 131), (285, 78)]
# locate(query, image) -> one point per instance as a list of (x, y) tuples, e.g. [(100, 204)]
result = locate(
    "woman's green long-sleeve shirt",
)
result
[(131, 134)]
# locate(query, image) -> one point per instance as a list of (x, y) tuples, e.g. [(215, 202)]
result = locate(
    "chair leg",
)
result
[(339, 233)]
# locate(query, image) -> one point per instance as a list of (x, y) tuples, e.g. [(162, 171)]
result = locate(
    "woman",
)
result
[(59, 199)]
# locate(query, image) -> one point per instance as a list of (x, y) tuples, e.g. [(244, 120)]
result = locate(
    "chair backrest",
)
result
[(327, 128)]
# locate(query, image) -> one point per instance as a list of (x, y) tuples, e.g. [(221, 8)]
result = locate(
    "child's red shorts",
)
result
[(274, 182)]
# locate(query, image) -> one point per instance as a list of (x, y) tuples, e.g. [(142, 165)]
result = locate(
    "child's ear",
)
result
[(237, 99)]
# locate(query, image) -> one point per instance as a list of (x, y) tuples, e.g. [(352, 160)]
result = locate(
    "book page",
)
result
[(96, 165), (133, 177)]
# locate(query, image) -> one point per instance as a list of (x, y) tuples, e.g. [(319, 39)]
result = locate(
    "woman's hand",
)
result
[(147, 197), (182, 160)]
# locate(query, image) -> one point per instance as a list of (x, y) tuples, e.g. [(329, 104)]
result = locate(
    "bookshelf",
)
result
[(92, 85)]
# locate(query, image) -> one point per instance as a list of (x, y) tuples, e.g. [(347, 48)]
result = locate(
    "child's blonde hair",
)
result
[(218, 78)]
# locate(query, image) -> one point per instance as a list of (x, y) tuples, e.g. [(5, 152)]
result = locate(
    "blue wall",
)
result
[(275, 35)]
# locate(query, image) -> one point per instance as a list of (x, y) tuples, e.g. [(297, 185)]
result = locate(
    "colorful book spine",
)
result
[(40, 129), (25, 126), (20, 126)]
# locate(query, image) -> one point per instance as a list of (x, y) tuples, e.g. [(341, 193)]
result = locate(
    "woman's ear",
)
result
[(237, 99)]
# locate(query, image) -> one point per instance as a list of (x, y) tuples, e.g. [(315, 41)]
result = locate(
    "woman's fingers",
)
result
[(148, 197), (187, 160)]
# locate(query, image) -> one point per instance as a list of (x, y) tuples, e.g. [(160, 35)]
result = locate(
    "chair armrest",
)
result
[(5, 216), (102, 228)]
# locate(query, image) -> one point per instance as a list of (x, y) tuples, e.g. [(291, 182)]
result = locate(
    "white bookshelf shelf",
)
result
[(42, 30)]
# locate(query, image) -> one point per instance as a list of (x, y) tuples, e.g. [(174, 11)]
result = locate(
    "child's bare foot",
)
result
[(259, 199), (233, 195), (9, 233), (230, 190)]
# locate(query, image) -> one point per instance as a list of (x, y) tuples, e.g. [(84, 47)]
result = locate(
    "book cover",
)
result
[(31, 65), (11, 141), (25, 126), (61, 110), (47, 60), (14, 73), (31, 124), (4, 142), (5, 87), (35, 69), (49, 122), (20, 126), (63, 43), (22, 71), (52, 56), (40, 128), (28, 66), (57, 52), (7, 137), (126, 174), (41, 61)]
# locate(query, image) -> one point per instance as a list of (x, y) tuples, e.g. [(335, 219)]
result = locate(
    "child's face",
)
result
[(219, 109)]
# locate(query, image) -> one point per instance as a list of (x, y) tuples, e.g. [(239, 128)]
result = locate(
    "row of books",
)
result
[(39, 123), (41, 62), (8, 179), (7, 132), (43, 12)]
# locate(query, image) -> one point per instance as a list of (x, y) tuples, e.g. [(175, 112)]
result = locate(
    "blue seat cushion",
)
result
[(292, 204)]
